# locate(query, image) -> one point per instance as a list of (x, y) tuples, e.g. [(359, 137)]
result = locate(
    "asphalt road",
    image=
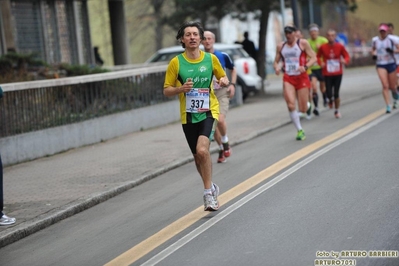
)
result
[(343, 200), (284, 202)]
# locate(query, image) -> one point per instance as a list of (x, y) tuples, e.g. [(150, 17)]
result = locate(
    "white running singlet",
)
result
[(292, 57), (383, 57)]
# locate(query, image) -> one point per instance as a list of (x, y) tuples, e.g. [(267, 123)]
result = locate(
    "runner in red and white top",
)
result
[(294, 53), (331, 56)]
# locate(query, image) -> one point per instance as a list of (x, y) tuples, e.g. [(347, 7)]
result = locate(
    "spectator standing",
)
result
[(97, 56), (249, 46)]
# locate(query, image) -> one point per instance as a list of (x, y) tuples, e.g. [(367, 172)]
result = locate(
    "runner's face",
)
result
[(291, 36), (314, 34), (191, 37), (209, 41), (331, 37), (383, 33)]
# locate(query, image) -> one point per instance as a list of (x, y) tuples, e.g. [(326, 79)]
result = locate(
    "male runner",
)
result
[(294, 53), (189, 75), (331, 56), (224, 94), (315, 42)]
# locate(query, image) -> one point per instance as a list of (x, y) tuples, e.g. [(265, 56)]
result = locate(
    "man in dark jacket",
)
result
[(249, 46)]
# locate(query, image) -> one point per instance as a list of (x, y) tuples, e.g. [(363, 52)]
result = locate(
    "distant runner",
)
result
[(296, 84), (331, 56), (224, 94), (316, 75), (383, 48)]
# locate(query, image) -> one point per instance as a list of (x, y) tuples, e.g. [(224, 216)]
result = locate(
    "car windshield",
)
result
[(166, 57), (235, 53)]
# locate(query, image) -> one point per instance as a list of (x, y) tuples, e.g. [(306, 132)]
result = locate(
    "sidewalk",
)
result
[(44, 191)]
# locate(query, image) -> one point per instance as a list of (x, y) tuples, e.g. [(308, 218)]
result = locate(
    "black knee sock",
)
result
[(325, 96), (316, 99)]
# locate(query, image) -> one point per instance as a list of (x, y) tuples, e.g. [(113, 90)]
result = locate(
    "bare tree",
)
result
[(159, 21), (202, 10)]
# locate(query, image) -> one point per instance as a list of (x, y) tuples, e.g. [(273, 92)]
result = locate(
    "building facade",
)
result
[(56, 30)]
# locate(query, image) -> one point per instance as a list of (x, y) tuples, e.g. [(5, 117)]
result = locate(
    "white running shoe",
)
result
[(304, 115), (216, 191), (5, 220), (211, 202)]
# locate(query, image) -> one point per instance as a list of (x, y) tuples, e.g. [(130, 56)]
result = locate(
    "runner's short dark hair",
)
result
[(180, 32)]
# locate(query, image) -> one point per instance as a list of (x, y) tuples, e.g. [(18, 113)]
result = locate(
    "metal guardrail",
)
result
[(360, 56), (36, 105), (359, 51)]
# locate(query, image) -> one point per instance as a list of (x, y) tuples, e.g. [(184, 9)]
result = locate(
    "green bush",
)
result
[(14, 67), (79, 70), (18, 67)]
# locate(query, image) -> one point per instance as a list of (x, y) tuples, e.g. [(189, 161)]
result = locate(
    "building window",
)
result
[(56, 30)]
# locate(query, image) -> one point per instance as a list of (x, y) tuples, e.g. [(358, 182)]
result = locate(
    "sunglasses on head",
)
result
[(289, 29)]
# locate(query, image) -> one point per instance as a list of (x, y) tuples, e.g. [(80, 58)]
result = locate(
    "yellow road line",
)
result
[(146, 246)]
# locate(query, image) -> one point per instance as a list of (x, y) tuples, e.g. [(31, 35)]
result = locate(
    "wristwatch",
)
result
[(231, 83)]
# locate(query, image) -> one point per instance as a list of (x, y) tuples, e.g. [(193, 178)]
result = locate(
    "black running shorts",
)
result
[(193, 130), (317, 74)]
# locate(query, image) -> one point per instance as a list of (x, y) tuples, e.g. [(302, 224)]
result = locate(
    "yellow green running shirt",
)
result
[(201, 101), (315, 44)]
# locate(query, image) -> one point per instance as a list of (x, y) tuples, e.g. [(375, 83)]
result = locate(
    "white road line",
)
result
[(199, 230)]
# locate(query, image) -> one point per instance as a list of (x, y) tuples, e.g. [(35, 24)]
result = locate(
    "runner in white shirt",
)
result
[(383, 48)]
